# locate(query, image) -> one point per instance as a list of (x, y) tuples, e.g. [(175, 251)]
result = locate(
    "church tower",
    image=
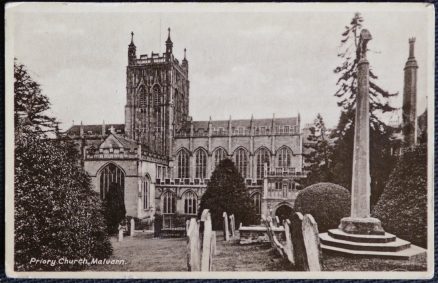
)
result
[(157, 97), (410, 98)]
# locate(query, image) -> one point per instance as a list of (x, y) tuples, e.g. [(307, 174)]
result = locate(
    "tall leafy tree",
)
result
[(226, 192), (30, 107), (56, 212), (380, 157), (319, 151)]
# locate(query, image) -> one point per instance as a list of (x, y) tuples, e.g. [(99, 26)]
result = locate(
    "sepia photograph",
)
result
[(219, 140)]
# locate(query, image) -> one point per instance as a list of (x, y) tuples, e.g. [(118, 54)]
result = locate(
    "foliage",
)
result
[(114, 207), (381, 161), (57, 214), (402, 208), (30, 104), (326, 202), (226, 192), (347, 71), (318, 156)]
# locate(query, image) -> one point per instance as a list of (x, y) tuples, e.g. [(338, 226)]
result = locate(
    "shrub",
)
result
[(226, 192), (328, 203), (402, 207)]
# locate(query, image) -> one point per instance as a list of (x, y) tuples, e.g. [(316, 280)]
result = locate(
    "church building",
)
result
[(162, 159)]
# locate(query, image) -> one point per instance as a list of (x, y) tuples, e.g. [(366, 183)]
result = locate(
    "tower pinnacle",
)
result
[(169, 43)]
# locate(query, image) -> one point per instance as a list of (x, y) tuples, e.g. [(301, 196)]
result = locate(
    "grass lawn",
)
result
[(142, 253)]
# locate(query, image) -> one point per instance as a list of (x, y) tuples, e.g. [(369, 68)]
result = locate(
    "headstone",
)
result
[(131, 231), (289, 249), (187, 227), (232, 226), (206, 241), (240, 226), (213, 243), (120, 233), (311, 243), (193, 247), (300, 255), (277, 220), (226, 234)]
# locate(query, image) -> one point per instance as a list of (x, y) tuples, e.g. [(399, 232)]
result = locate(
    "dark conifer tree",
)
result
[(226, 192)]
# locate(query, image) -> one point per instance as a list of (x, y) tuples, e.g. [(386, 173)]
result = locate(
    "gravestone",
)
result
[(226, 233), (232, 226), (300, 255), (213, 243), (187, 227), (289, 249), (121, 233), (193, 246), (206, 241), (277, 220), (131, 231), (311, 243)]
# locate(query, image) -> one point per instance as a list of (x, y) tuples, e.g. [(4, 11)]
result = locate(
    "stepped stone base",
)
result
[(363, 226), (382, 246)]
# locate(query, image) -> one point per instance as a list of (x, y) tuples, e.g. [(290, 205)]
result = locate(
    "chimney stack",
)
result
[(410, 98)]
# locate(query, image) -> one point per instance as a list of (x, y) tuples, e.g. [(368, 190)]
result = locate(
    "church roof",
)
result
[(118, 141), (95, 129), (291, 121)]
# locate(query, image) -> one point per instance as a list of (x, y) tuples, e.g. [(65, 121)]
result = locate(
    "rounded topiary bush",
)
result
[(328, 203), (402, 207)]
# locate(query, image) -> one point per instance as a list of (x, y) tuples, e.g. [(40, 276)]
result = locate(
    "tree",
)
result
[(318, 156), (381, 161), (347, 71), (30, 104), (115, 210), (56, 212), (226, 192)]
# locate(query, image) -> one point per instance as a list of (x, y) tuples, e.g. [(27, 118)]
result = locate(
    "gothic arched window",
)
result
[(169, 203), (219, 155), (145, 191), (201, 164), (284, 156), (190, 203), (241, 160), (111, 177), (262, 157), (157, 95), (143, 102), (256, 198), (183, 164)]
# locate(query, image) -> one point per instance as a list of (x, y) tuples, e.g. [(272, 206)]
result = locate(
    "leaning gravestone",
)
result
[(277, 220), (226, 233), (300, 255), (289, 249), (311, 243), (232, 226)]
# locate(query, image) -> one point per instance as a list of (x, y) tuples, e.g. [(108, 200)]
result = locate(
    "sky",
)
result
[(243, 59)]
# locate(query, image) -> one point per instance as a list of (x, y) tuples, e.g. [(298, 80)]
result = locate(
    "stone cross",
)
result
[(311, 243), (131, 231), (226, 233), (360, 221)]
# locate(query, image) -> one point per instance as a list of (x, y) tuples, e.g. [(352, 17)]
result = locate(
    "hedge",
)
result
[(328, 203), (402, 207)]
